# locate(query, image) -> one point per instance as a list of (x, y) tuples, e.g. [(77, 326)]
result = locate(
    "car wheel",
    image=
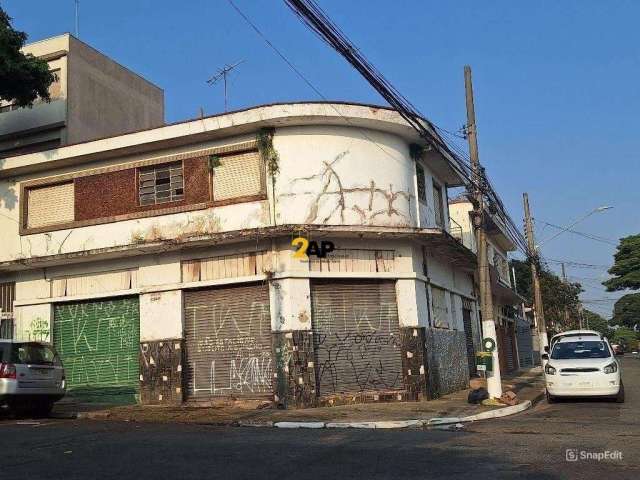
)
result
[(620, 395), (550, 398)]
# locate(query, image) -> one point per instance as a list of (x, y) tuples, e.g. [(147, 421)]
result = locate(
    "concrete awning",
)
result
[(436, 240)]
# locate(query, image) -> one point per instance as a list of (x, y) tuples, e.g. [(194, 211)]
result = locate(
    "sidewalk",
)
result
[(454, 408)]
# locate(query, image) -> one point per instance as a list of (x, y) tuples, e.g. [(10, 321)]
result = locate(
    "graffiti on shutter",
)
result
[(228, 341), (98, 342), (356, 336)]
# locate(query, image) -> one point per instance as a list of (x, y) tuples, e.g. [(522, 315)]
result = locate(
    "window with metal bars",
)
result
[(161, 183), (422, 186)]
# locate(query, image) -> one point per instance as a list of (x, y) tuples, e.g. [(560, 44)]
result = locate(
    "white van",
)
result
[(582, 364)]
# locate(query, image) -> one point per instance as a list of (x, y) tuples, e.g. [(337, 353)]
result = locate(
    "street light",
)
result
[(595, 210)]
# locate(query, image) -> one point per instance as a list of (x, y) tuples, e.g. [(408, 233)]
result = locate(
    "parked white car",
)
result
[(31, 376), (582, 364)]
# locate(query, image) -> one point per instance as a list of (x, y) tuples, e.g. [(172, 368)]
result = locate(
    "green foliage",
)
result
[(593, 321), (23, 78), (560, 299), (627, 337), (626, 267), (213, 162), (267, 151), (626, 311)]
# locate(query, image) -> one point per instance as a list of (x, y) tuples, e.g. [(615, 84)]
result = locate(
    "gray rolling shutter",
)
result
[(525, 344), (356, 336), (228, 342), (98, 342), (508, 342)]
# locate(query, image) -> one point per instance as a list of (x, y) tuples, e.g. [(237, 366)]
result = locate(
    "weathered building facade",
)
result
[(160, 263), (513, 329), (92, 97)]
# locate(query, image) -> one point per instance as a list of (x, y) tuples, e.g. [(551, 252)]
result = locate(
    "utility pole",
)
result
[(537, 293), (494, 384), (223, 73), (566, 309)]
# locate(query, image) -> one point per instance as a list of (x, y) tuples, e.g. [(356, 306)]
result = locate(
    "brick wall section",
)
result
[(295, 384), (414, 369), (161, 372), (116, 193)]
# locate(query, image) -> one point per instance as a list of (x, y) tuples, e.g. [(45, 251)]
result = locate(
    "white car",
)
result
[(582, 364)]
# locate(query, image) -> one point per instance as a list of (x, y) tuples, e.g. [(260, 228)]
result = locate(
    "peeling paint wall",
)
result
[(344, 176)]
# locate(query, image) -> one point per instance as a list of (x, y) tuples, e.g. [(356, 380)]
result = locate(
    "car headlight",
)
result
[(549, 370), (611, 368)]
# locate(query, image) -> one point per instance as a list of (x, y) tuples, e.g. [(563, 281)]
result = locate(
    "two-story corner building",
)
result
[(92, 97), (513, 328), (160, 263)]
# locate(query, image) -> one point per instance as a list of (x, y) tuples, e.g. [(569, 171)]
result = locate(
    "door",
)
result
[(356, 336), (468, 331), (228, 342), (98, 343)]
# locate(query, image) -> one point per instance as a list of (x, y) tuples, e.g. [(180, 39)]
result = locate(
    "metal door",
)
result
[(356, 336), (468, 331), (98, 343), (228, 342)]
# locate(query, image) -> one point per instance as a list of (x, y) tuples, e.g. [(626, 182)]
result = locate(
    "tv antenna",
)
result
[(223, 73)]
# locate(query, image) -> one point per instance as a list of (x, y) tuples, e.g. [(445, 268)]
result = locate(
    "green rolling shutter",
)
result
[(98, 342)]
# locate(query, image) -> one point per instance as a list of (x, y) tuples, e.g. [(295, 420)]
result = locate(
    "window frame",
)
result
[(439, 208), (422, 192), (154, 168)]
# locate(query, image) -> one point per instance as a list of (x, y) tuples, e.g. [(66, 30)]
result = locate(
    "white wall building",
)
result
[(513, 331), (160, 262)]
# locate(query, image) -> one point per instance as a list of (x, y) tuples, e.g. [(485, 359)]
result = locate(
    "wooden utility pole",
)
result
[(494, 384), (537, 293)]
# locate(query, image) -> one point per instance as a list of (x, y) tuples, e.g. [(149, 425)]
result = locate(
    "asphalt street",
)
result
[(571, 439)]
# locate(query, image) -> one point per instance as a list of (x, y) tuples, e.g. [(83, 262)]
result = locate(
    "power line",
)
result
[(582, 234)]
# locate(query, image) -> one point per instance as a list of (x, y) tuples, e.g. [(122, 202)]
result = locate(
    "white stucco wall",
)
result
[(161, 315)]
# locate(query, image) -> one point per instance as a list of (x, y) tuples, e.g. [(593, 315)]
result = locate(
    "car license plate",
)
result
[(585, 384)]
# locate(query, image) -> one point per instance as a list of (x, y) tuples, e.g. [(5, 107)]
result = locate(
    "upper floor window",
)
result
[(437, 205), (238, 176), (50, 205), (161, 183), (422, 186)]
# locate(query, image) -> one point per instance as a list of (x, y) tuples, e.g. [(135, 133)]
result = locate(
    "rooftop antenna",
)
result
[(223, 73), (77, 2)]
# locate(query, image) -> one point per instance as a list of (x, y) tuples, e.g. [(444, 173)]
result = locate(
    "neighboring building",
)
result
[(160, 263), (93, 97), (507, 303)]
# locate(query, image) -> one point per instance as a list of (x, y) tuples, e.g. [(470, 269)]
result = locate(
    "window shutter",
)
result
[(238, 176), (440, 310), (50, 205)]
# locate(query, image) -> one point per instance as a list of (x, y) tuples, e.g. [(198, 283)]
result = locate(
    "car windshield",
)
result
[(579, 349), (34, 354)]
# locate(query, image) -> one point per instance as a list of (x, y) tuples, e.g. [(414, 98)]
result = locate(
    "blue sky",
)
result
[(556, 85)]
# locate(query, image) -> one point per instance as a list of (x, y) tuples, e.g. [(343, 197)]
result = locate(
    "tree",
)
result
[(560, 299), (626, 337), (626, 266), (596, 322), (23, 78), (626, 311)]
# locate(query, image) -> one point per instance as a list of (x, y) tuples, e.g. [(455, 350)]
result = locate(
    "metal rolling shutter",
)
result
[(228, 342), (98, 342), (525, 344), (468, 331), (508, 346), (356, 336)]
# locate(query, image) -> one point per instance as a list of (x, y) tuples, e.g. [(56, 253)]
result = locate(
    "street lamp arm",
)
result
[(595, 210)]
